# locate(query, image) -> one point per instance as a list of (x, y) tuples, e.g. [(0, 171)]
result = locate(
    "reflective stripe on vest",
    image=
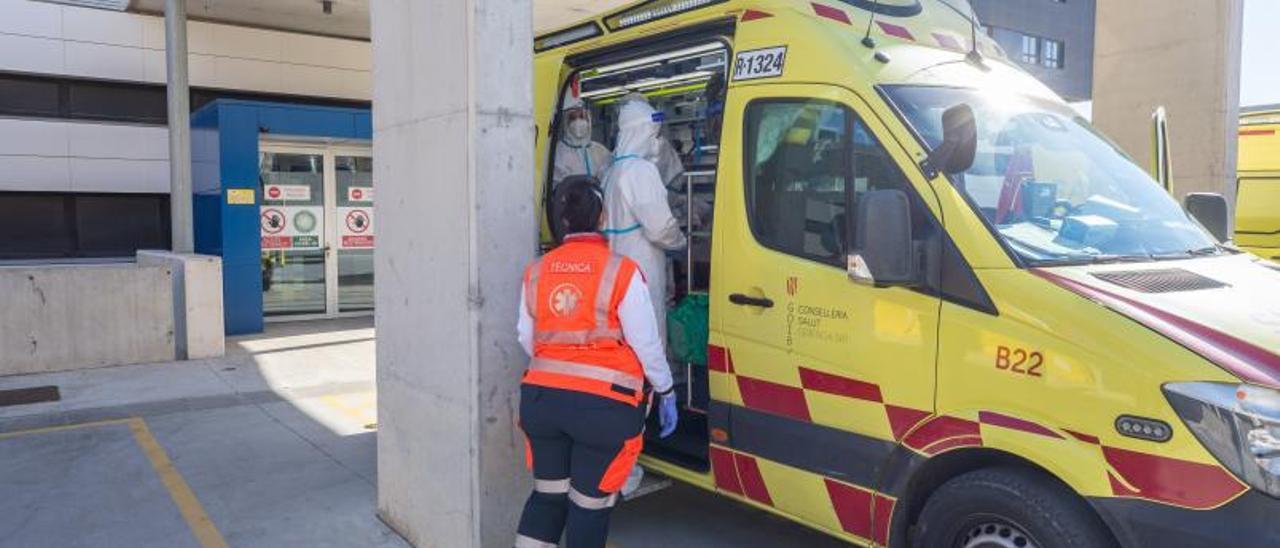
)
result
[(577, 338), (593, 372), (604, 294)]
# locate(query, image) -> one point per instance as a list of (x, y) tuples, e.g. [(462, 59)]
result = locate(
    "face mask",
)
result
[(580, 129)]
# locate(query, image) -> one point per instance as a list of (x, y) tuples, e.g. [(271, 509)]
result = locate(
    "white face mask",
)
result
[(580, 129)]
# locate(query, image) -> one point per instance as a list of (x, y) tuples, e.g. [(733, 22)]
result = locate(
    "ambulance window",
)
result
[(796, 176), (873, 169), (804, 159)]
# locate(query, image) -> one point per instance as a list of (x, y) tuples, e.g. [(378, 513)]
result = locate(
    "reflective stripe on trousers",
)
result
[(593, 372), (551, 487), (530, 542), (587, 502)]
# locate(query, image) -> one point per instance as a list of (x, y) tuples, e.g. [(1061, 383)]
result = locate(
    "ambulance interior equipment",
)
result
[(686, 84)]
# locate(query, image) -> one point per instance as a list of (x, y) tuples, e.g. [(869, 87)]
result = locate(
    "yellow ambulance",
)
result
[(939, 309), (1258, 201)]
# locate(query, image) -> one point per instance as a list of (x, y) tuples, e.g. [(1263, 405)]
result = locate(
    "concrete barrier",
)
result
[(57, 318), (197, 302)]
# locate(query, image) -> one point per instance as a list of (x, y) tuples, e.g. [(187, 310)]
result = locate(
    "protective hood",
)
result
[(637, 129), (572, 132)]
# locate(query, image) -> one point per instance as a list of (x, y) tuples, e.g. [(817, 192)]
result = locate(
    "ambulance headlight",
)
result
[(1238, 423)]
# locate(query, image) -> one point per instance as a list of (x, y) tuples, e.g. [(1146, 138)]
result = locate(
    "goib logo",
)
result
[(565, 299)]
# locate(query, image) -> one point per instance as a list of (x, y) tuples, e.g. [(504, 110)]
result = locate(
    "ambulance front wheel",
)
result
[(1008, 508)]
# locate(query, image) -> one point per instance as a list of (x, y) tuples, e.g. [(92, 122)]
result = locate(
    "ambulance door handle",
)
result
[(744, 300)]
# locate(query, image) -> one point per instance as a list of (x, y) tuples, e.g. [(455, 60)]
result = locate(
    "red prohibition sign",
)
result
[(273, 221), (358, 221), (273, 192)]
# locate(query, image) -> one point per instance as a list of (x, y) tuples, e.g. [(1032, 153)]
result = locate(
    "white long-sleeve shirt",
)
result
[(639, 329)]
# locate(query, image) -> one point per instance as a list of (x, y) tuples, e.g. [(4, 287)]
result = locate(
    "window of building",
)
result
[(1030, 49), (1052, 55), (808, 162), (44, 225)]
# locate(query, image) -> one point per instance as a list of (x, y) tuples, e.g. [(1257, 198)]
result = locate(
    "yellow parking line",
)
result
[(192, 512), (7, 435), (358, 413), (201, 526)]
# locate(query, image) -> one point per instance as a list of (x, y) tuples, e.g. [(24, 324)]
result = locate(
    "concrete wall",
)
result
[(67, 156), (198, 328), (1184, 55), (1071, 22), (77, 317)]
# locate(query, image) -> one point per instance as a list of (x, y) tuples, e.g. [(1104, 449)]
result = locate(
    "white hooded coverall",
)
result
[(576, 153), (574, 157), (639, 223)]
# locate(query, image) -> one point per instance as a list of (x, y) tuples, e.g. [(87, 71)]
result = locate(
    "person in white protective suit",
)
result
[(577, 154), (639, 220)]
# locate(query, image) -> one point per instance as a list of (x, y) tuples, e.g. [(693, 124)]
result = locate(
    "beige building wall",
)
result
[(1184, 55)]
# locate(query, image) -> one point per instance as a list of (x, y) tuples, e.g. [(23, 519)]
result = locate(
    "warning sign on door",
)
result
[(287, 193), (292, 227), (356, 231), (360, 194)]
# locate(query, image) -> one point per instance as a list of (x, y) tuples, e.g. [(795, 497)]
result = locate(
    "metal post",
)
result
[(181, 225)]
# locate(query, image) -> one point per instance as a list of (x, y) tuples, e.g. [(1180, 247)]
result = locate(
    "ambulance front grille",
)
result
[(1171, 280)]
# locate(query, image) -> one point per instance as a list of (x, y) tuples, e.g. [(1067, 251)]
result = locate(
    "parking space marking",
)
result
[(60, 428), (188, 505), (192, 511), (360, 412)]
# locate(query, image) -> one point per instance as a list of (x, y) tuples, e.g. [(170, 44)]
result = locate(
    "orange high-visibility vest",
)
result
[(573, 294)]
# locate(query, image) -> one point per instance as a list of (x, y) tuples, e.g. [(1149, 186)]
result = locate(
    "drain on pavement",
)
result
[(25, 396)]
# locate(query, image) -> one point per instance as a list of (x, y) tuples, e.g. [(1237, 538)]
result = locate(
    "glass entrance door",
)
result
[(316, 230), (354, 176)]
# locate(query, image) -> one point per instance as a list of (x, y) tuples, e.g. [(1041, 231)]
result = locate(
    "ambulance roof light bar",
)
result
[(565, 37), (654, 10)]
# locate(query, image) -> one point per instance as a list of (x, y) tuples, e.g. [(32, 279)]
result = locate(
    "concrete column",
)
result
[(453, 153), (1184, 55), (180, 213)]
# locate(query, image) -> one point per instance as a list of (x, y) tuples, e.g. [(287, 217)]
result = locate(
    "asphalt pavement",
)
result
[(272, 445)]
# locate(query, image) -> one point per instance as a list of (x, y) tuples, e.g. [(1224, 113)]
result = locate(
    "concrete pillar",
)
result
[(1184, 55), (175, 47), (453, 153)]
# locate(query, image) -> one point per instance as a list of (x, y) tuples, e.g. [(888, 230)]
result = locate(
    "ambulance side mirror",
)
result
[(1211, 210), (884, 251), (959, 143)]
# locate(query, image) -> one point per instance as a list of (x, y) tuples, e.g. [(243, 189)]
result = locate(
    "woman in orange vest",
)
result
[(590, 329)]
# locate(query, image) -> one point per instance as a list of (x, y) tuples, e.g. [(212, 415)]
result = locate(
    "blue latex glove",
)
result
[(668, 417)]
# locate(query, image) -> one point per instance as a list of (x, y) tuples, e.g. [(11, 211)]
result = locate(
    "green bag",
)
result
[(687, 327)]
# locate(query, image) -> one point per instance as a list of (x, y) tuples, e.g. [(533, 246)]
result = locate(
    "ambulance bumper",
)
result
[(1251, 520)]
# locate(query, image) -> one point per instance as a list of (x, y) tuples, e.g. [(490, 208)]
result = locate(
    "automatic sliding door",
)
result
[(354, 221), (292, 221)]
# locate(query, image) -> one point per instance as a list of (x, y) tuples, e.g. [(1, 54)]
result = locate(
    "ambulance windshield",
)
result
[(1056, 191)]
